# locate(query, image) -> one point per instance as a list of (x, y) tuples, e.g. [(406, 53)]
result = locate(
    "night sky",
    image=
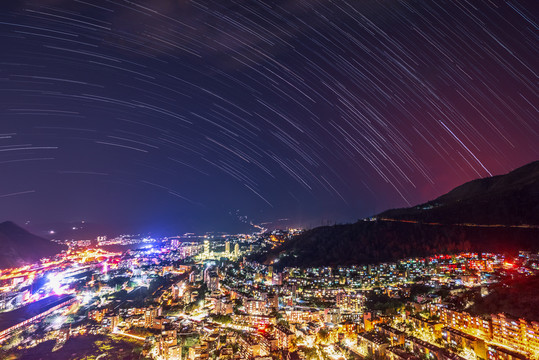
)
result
[(183, 116)]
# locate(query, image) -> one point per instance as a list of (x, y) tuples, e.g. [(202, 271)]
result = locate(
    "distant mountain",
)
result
[(510, 199), (499, 213), (19, 247)]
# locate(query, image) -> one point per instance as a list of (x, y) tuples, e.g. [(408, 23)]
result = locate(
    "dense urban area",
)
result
[(201, 297)]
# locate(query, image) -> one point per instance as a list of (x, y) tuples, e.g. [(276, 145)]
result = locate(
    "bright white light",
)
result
[(55, 283), (86, 299), (58, 322)]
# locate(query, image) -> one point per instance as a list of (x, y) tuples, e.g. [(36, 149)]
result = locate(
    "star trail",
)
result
[(180, 114)]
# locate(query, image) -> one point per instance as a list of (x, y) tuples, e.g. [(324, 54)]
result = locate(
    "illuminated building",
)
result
[(349, 302), (150, 315), (499, 353), (221, 306), (237, 250), (176, 293), (462, 340), (277, 279), (253, 320), (375, 344), (213, 282), (199, 352), (268, 343), (332, 316), (463, 321), (249, 347), (284, 336), (206, 248), (206, 274), (516, 333), (192, 276), (254, 307), (397, 353), (226, 353), (295, 316), (426, 325), (174, 243), (97, 315), (110, 322), (160, 323), (425, 349), (227, 247), (272, 301), (174, 353), (63, 335), (395, 337)]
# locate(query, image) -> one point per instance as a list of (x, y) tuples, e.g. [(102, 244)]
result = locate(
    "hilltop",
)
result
[(19, 247), (497, 214)]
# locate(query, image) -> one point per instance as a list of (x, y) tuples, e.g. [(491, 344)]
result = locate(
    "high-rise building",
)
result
[(213, 282), (278, 279), (254, 306), (518, 334), (227, 247), (149, 315), (206, 274), (206, 248), (175, 352), (237, 250), (175, 291), (272, 301)]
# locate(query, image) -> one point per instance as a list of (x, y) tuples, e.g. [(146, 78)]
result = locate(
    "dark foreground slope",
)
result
[(517, 298), (496, 214), (19, 247)]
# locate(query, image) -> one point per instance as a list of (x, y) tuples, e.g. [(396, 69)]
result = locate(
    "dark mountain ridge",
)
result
[(510, 199), (495, 214), (18, 247)]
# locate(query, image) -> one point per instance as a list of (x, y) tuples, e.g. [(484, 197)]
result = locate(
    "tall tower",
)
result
[(207, 248), (227, 247), (237, 250)]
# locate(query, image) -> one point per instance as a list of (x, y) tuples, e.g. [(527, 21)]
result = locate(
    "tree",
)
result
[(323, 335)]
